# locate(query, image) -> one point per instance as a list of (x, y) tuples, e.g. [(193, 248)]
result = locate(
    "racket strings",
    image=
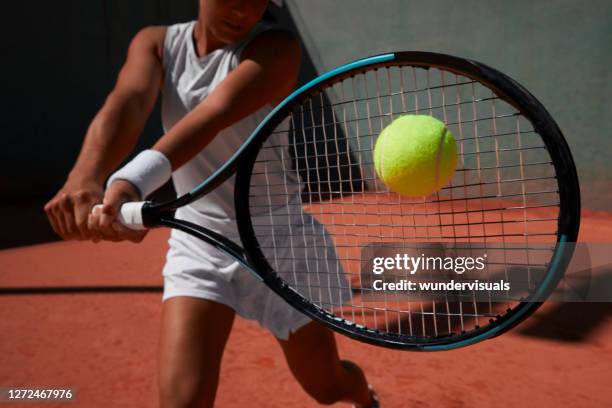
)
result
[(316, 202)]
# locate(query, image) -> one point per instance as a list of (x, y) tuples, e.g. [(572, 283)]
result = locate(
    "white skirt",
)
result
[(196, 269)]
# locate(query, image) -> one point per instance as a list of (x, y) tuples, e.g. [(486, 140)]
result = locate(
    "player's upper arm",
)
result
[(141, 76), (267, 74)]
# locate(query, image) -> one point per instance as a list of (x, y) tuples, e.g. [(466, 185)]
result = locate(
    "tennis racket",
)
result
[(308, 201)]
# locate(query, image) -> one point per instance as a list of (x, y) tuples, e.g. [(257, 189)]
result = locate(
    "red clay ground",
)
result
[(104, 345)]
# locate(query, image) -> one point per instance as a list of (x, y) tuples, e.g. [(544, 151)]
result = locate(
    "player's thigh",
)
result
[(313, 358), (193, 335)]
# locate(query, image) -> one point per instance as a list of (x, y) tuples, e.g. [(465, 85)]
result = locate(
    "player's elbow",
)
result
[(279, 54), (289, 56), (289, 50)]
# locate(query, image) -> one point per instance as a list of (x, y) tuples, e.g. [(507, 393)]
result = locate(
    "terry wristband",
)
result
[(148, 171)]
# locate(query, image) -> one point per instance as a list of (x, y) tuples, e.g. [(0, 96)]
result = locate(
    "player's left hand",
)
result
[(103, 221)]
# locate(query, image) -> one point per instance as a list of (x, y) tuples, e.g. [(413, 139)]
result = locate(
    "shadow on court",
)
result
[(568, 322), (575, 322)]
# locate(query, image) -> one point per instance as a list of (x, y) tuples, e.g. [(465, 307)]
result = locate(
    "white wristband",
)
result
[(148, 171)]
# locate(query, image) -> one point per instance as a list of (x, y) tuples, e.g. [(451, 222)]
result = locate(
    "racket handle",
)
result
[(130, 215)]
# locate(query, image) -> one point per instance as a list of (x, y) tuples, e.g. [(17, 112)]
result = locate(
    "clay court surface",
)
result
[(103, 345)]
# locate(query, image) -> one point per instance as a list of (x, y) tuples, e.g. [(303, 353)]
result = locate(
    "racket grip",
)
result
[(130, 215)]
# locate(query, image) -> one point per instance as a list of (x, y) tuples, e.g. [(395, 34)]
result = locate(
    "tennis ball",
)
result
[(415, 155)]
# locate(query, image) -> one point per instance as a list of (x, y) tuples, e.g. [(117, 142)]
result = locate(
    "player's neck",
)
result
[(204, 42)]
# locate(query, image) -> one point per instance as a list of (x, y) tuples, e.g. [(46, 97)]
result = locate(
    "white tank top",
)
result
[(189, 79)]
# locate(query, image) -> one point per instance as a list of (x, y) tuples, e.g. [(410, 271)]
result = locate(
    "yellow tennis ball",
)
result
[(415, 155)]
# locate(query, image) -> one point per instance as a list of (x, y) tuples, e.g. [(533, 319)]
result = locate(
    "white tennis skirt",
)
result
[(196, 269)]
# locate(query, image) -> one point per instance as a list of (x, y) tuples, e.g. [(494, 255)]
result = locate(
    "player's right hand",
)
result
[(68, 211), (103, 220)]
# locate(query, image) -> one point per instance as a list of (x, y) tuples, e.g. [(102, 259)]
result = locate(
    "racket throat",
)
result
[(215, 239)]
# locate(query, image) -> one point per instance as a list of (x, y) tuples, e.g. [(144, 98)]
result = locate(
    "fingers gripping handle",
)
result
[(130, 214)]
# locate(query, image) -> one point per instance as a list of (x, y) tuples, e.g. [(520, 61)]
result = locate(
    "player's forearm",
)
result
[(193, 133), (110, 138)]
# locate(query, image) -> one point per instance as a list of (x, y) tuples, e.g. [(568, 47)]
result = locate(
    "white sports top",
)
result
[(189, 79)]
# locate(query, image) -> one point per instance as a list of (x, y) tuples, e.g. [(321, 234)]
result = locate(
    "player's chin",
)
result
[(230, 35)]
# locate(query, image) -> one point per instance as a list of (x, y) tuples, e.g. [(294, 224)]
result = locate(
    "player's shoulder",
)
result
[(274, 43), (150, 38)]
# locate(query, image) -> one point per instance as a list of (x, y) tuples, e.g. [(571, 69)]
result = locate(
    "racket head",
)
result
[(465, 74)]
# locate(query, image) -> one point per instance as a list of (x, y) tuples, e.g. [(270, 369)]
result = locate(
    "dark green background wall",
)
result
[(60, 60)]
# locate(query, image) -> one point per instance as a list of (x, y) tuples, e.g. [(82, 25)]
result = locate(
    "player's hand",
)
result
[(103, 221), (68, 211)]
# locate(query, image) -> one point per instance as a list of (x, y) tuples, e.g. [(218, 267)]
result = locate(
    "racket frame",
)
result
[(508, 90)]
